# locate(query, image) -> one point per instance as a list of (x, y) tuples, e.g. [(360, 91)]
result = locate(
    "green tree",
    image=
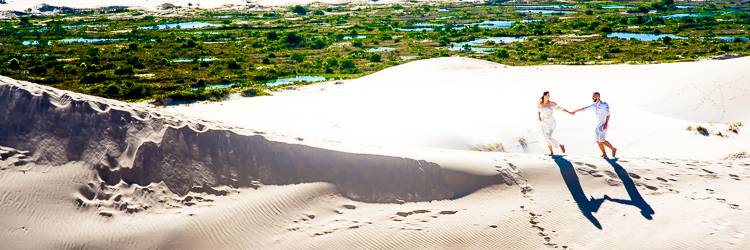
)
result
[(112, 90), (299, 10), (666, 40), (293, 40), (272, 35), (297, 57), (233, 64), (318, 44), (357, 43), (348, 64), (124, 70), (375, 57), (38, 69), (14, 64), (502, 54), (189, 44)]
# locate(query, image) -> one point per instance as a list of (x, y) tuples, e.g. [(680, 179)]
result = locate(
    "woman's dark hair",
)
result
[(541, 100)]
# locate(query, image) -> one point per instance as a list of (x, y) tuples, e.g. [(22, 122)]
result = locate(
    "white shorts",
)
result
[(601, 133)]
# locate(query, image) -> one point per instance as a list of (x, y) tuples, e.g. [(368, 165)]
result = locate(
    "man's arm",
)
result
[(582, 109), (606, 122)]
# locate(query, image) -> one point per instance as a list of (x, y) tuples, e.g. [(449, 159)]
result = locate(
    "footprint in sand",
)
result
[(405, 214), (708, 171), (20, 163), (610, 174), (533, 220), (612, 182)]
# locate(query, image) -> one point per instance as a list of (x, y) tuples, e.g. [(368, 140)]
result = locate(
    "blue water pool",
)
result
[(288, 80), (217, 86), (642, 36), (183, 25)]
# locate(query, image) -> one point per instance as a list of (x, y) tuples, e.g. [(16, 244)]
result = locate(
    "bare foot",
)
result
[(604, 155), (614, 152), (563, 148)]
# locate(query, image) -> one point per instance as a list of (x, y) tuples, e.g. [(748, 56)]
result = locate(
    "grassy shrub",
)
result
[(254, 91), (493, 147)]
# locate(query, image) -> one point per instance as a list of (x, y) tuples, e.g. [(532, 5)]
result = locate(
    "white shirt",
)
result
[(601, 109)]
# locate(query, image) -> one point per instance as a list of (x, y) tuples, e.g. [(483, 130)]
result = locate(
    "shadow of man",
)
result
[(586, 205), (636, 199)]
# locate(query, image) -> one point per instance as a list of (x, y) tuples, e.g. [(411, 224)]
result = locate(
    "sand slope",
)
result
[(457, 103), (83, 172)]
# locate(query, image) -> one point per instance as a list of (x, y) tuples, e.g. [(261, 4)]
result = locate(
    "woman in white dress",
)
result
[(547, 121)]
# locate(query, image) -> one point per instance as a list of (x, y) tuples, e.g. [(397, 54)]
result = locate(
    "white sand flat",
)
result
[(457, 103)]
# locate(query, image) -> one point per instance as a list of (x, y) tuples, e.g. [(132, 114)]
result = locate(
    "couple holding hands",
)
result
[(547, 120)]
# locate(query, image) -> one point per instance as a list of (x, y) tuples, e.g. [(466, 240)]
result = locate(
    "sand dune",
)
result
[(138, 146), (457, 103), (81, 172)]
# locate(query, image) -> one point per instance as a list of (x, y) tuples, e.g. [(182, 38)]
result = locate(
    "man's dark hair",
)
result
[(597, 93)]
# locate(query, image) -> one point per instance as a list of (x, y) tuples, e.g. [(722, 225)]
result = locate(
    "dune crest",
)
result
[(141, 146)]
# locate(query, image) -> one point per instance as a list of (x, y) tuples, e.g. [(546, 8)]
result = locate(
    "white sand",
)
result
[(86, 172), (456, 103)]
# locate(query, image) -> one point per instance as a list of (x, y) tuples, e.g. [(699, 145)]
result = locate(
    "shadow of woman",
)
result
[(588, 206)]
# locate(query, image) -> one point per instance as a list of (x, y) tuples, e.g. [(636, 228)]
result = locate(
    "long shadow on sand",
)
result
[(588, 206), (635, 197)]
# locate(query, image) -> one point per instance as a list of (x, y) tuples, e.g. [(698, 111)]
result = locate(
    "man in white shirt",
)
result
[(601, 109)]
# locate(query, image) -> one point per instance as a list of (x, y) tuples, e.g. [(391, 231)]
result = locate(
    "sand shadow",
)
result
[(636, 199), (588, 206)]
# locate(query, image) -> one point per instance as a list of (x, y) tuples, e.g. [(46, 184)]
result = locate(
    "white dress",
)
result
[(548, 123)]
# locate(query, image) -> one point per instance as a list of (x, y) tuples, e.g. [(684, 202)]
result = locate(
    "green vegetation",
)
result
[(244, 49)]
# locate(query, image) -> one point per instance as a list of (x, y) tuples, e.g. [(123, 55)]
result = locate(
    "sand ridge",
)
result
[(78, 171), (124, 147)]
